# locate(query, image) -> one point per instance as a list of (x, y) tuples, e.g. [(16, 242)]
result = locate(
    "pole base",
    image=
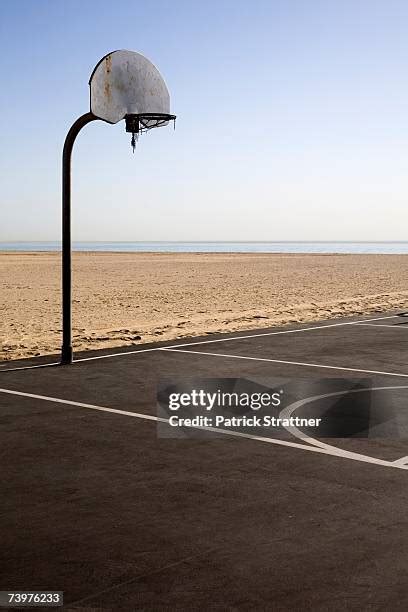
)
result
[(66, 355)]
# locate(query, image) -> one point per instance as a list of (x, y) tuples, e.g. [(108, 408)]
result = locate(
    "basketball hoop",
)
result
[(123, 85), (137, 124)]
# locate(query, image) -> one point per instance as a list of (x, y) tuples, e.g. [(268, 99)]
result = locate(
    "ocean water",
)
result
[(217, 247)]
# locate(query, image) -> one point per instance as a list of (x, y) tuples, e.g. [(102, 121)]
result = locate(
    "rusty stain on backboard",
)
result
[(108, 68)]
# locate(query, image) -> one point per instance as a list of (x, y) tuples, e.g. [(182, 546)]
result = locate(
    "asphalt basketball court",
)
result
[(95, 504)]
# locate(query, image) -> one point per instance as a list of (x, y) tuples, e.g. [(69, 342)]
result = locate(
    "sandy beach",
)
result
[(132, 298)]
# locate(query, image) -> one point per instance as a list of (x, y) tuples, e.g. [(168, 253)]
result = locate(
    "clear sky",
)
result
[(292, 120)]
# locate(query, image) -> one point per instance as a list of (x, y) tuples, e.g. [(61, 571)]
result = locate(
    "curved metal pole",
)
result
[(66, 351)]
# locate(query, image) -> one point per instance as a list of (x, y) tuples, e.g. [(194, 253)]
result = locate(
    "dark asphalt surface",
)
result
[(96, 505)]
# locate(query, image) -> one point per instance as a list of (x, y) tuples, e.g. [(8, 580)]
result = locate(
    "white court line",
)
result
[(57, 400), (296, 363), (40, 365), (361, 324), (148, 350), (275, 333), (314, 449), (402, 462), (287, 412), (58, 363)]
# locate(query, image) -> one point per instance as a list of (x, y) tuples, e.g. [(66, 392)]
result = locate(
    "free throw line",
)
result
[(296, 363)]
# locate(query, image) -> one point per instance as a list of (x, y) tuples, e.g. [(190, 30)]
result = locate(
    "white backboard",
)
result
[(126, 83)]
